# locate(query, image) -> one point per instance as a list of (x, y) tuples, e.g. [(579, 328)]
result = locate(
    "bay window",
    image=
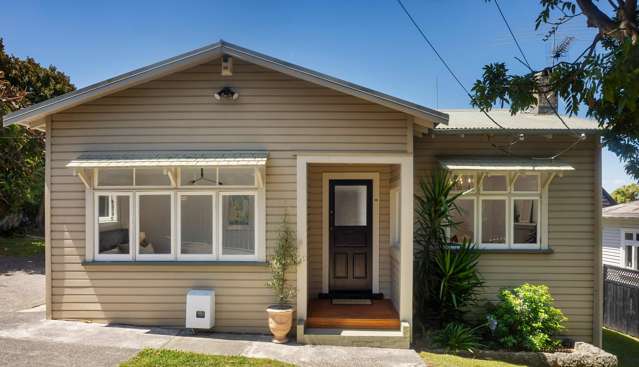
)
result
[(498, 210), (148, 215)]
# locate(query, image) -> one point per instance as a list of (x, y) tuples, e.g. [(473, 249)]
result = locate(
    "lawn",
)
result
[(626, 348), (448, 360), (21, 245), (172, 358)]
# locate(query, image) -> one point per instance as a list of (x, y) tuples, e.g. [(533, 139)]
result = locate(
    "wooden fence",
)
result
[(621, 299)]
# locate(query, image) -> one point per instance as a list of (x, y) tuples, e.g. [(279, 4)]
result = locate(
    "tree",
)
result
[(603, 80), (24, 82), (626, 193)]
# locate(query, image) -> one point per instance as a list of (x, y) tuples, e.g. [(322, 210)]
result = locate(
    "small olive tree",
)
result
[(284, 257)]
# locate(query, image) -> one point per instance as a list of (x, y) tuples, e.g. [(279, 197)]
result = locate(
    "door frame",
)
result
[(326, 177)]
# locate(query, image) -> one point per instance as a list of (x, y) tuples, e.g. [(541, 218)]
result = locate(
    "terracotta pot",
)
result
[(280, 321)]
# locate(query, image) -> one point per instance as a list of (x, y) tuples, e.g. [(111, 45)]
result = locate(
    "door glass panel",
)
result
[(350, 205), (238, 225), (113, 224), (493, 221), (155, 224), (196, 221)]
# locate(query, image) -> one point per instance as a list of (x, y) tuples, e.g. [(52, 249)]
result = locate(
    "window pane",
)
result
[(493, 221), (113, 234), (237, 176), (495, 183), (628, 236), (198, 176), (238, 225), (196, 212), (155, 224), (350, 205), (628, 256), (528, 183), (115, 177), (151, 177), (464, 182), (465, 219), (525, 221)]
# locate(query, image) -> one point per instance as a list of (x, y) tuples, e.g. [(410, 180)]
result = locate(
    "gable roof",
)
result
[(33, 115), (474, 121), (626, 210)]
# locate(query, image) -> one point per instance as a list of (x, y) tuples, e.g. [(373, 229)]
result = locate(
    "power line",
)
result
[(516, 138)]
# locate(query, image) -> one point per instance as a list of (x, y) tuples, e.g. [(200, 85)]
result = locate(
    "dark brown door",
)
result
[(350, 235)]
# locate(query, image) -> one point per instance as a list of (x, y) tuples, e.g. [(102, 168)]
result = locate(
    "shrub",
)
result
[(457, 337), (525, 318)]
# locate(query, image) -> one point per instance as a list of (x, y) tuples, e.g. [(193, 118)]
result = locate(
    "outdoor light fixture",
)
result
[(226, 93)]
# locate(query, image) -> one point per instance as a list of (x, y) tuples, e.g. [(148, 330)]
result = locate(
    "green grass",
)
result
[(173, 358), (625, 347), (21, 245), (448, 360)]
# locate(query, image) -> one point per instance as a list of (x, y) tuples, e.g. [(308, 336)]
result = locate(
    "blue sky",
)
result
[(366, 42)]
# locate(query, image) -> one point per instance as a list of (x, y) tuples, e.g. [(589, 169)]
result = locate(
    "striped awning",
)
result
[(460, 163), (170, 159)]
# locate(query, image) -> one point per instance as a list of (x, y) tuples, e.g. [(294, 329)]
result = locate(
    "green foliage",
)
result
[(456, 337), (626, 193), (526, 319), (458, 278), (173, 358), (21, 149), (284, 257), (603, 81), (446, 278)]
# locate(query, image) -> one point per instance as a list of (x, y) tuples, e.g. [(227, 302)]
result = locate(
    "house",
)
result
[(607, 199), (620, 243), (178, 175)]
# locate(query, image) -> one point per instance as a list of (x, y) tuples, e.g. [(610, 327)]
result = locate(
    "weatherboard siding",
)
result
[(275, 112), (572, 216)]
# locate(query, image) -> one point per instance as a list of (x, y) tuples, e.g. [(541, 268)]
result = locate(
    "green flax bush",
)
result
[(525, 319)]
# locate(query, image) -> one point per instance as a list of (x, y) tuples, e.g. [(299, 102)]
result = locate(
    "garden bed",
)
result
[(583, 355)]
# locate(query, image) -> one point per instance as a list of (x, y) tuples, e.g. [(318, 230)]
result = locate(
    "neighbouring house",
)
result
[(178, 175), (607, 199), (621, 235)]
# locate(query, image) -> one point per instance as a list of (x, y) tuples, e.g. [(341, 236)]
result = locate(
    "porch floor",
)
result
[(380, 315)]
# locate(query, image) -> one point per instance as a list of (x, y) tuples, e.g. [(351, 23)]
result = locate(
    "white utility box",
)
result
[(200, 308)]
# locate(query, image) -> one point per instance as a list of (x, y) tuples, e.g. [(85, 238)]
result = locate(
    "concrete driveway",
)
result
[(27, 339)]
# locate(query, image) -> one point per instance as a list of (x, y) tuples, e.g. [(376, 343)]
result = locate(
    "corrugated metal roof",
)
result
[(472, 120), (189, 59), (626, 210), (170, 158), (472, 163)]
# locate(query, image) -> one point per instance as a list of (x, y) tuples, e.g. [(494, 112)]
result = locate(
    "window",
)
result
[(504, 214), (630, 250), (113, 236), (238, 225), (395, 216), (184, 223)]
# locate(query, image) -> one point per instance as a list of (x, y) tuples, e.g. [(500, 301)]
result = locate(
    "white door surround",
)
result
[(405, 161)]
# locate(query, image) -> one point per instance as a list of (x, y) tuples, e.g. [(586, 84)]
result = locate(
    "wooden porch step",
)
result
[(379, 315)]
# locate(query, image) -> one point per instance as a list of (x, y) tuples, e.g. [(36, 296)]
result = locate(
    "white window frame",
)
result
[(96, 230), (634, 243), (151, 257), (112, 209), (220, 222), (395, 216), (96, 174), (214, 227), (512, 200), (217, 177), (506, 243)]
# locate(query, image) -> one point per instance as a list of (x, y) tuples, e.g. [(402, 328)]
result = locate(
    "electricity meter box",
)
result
[(200, 308)]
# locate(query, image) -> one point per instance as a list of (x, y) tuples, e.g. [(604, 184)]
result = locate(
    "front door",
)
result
[(350, 235)]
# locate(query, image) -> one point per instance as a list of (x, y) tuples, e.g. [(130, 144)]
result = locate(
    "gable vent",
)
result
[(227, 65)]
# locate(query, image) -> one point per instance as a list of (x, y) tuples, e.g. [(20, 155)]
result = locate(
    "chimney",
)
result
[(546, 98)]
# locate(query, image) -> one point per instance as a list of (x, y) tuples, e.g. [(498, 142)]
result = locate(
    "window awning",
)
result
[(170, 159), (460, 163)]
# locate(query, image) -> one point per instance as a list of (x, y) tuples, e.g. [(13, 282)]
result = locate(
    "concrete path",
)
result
[(27, 339)]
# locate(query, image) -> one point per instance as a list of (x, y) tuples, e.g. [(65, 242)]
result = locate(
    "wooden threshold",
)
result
[(379, 315)]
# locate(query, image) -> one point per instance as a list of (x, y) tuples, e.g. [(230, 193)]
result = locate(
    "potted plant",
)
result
[(280, 315)]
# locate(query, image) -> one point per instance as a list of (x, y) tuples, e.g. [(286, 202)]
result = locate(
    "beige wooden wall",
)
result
[(274, 112), (569, 271), (315, 222)]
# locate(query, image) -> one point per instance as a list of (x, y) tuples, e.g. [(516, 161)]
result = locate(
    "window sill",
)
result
[(175, 263), (516, 251)]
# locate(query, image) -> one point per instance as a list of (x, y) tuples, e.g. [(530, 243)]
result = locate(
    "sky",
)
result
[(368, 42)]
